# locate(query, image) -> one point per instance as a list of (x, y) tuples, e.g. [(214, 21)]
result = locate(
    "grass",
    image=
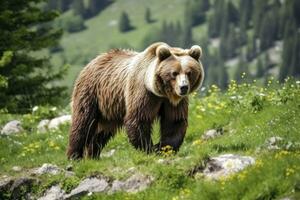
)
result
[(248, 114)]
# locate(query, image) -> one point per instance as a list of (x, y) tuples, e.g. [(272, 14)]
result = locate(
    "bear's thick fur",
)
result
[(131, 89)]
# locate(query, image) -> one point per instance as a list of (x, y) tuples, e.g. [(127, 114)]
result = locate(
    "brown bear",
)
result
[(123, 88)]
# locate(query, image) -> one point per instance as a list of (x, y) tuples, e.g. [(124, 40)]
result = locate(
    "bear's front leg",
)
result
[(139, 133), (173, 124)]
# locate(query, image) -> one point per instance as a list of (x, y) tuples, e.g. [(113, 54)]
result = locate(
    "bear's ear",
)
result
[(195, 52), (163, 52)]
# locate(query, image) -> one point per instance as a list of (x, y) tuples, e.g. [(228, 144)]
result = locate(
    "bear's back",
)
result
[(106, 77)]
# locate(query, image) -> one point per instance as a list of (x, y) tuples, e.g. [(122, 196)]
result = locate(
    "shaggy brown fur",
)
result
[(111, 92)]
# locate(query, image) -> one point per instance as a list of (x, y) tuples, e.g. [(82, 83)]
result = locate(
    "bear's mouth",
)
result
[(174, 98)]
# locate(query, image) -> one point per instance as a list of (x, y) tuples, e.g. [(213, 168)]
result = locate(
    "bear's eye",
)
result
[(174, 74)]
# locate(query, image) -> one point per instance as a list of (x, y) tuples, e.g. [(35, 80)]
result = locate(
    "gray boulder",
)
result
[(225, 165), (22, 187), (43, 126), (12, 127), (211, 134), (133, 184), (274, 143), (88, 185), (16, 168), (5, 184), (47, 169), (56, 122), (54, 193)]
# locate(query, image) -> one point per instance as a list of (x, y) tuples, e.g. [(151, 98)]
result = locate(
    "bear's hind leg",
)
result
[(84, 124), (97, 143)]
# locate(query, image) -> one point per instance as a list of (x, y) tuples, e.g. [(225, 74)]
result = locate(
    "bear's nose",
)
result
[(184, 89)]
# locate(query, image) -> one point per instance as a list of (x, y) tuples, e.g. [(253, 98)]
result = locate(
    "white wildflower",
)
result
[(35, 108)]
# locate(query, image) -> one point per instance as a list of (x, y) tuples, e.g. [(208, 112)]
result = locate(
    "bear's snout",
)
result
[(182, 85), (184, 89)]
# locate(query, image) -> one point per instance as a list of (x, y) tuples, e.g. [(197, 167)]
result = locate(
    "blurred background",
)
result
[(45, 44)]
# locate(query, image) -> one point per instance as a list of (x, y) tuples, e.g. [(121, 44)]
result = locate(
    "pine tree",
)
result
[(290, 34), (178, 33), (148, 16), (231, 42), (216, 18), (78, 7), (260, 68), (266, 32), (259, 10), (95, 6), (251, 50), (187, 36), (295, 65), (204, 5), (124, 23), (222, 76), (30, 80), (242, 70), (233, 13), (246, 9)]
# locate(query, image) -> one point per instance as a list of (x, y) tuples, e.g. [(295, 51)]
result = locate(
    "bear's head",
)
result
[(174, 72)]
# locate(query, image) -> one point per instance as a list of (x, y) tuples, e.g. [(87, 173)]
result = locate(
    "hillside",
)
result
[(102, 32), (261, 124), (259, 38)]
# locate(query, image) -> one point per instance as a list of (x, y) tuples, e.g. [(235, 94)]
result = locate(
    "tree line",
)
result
[(245, 30)]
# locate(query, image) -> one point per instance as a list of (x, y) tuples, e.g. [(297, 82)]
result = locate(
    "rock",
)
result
[(163, 161), (69, 173), (43, 126), (116, 186), (133, 184), (225, 165), (5, 185), (137, 182), (22, 187), (56, 122), (16, 168), (54, 193), (12, 127), (47, 169), (108, 154), (212, 133), (273, 143), (92, 184)]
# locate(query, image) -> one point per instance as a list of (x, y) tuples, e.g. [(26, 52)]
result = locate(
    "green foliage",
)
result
[(69, 183), (29, 79), (5, 59)]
